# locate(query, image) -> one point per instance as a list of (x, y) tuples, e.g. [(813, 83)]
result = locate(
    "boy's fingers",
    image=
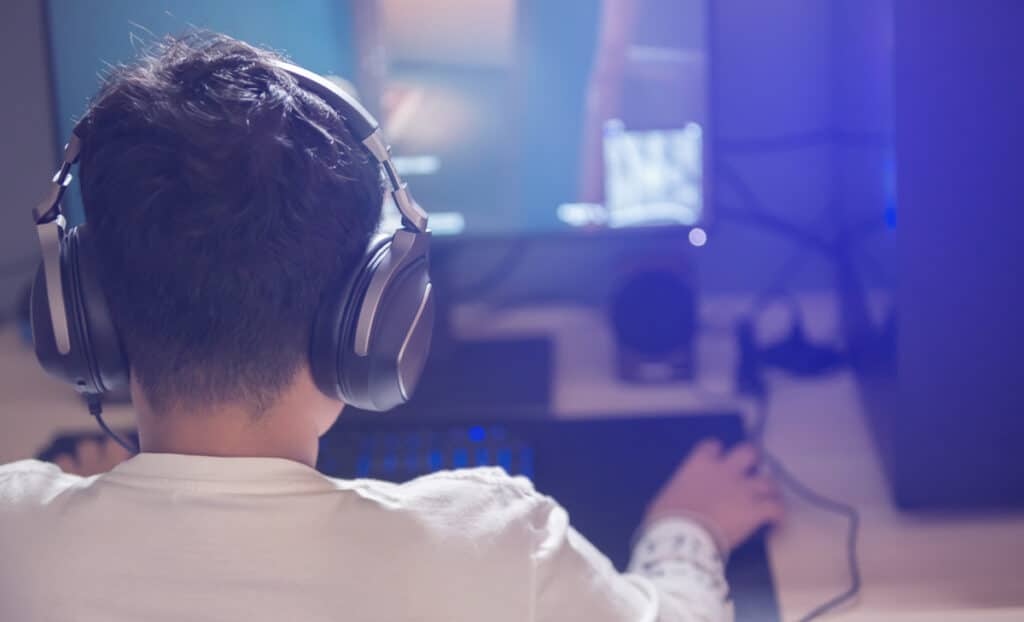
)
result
[(764, 486), (771, 510), (707, 449), (742, 458)]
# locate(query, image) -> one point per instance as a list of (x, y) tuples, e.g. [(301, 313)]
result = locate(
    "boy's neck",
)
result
[(227, 432), (289, 429)]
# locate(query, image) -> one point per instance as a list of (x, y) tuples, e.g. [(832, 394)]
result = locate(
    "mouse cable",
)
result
[(830, 505), (818, 500)]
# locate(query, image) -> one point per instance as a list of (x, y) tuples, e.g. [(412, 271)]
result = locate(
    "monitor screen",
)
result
[(531, 115), (505, 116)]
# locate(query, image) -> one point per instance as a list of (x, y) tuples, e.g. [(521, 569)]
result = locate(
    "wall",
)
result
[(27, 152)]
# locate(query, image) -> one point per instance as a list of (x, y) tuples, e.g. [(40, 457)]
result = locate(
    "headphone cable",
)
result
[(96, 410)]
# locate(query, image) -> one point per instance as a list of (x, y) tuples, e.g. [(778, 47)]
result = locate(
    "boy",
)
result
[(224, 200)]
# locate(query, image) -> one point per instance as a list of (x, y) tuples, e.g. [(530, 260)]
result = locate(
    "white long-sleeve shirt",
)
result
[(176, 537)]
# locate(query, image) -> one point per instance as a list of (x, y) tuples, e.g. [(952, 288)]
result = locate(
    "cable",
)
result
[(805, 492), (756, 214), (830, 505), (96, 410)]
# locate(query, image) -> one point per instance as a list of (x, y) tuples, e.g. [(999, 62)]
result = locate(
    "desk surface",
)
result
[(966, 567)]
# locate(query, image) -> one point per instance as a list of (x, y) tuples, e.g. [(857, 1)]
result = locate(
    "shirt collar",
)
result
[(214, 468)]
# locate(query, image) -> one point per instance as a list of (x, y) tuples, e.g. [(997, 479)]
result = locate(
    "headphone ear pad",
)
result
[(95, 362), (94, 322)]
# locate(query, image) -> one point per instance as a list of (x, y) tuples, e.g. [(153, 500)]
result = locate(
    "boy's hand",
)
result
[(722, 490), (92, 457)]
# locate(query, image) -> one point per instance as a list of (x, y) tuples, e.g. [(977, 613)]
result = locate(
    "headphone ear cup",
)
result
[(388, 374), (95, 362), (399, 339)]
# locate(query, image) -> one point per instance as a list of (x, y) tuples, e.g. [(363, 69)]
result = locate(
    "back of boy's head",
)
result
[(224, 201)]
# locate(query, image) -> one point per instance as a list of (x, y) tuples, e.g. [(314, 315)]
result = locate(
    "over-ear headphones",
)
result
[(370, 338)]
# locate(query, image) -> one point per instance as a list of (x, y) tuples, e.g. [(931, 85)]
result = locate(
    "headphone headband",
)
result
[(357, 119), (366, 130), (50, 225)]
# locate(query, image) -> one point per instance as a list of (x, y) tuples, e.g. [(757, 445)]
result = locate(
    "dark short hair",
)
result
[(224, 200)]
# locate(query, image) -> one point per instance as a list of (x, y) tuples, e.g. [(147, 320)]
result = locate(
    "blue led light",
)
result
[(526, 462), (436, 462), (460, 458), (504, 460), (890, 216), (889, 188), (482, 457), (477, 434), (363, 466)]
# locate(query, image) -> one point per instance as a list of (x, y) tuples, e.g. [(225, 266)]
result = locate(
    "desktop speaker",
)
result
[(653, 314)]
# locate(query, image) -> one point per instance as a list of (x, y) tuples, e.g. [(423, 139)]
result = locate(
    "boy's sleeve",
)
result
[(675, 575)]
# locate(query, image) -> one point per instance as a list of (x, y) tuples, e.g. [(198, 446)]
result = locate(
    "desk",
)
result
[(915, 567)]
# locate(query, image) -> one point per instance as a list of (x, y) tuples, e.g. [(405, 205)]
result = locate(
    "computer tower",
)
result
[(944, 388)]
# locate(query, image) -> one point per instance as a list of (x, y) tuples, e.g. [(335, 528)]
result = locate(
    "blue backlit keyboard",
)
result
[(399, 454)]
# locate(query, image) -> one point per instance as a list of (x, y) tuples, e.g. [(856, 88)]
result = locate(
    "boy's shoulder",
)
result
[(478, 500), (484, 498), (474, 485)]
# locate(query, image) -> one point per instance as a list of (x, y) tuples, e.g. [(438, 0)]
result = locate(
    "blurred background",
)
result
[(792, 221)]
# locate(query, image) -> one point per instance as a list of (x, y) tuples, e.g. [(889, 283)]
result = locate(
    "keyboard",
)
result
[(404, 452)]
